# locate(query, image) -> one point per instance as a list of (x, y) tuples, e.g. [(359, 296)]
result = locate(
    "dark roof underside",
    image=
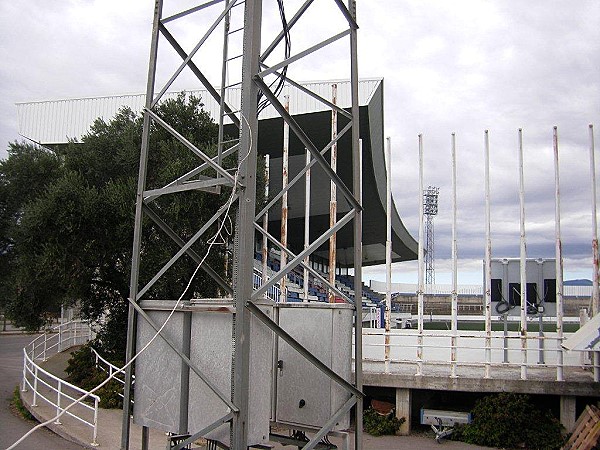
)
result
[(318, 128)]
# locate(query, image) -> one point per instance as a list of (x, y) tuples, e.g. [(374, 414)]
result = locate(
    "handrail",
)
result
[(438, 345), (111, 367), (66, 335), (110, 370), (44, 384)]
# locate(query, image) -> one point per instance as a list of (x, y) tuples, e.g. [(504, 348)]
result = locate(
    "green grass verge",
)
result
[(17, 404)]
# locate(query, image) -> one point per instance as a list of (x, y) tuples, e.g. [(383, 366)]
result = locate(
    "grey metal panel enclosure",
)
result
[(211, 351), (203, 330), (305, 395), (158, 374)]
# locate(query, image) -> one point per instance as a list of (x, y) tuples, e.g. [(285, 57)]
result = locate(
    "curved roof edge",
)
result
[(404, 246), (54, 121), (317, 125)]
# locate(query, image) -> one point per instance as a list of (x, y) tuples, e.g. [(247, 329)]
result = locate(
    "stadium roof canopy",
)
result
[(56, 121)]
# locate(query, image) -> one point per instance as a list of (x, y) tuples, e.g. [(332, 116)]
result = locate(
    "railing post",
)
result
[(595, 304), (58, 395), (488, 258), (94, 442), (24, 386), (45, 346), (454, 306), (421, 258), (35, 384), (523, 263), (559, 262), (388, 254)]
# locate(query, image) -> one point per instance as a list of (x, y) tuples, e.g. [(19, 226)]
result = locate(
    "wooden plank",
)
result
[(587, 430)]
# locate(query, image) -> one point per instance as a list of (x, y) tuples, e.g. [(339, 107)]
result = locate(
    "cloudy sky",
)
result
[(459, 66)]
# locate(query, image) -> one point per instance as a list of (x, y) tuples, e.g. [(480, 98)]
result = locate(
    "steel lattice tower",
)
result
[(430, 209), (253, 69)]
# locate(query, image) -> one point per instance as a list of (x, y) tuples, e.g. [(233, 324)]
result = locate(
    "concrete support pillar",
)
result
[(403, 408), (568, 412)]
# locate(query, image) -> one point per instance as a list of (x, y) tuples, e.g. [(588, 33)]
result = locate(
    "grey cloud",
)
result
[(457, 66)]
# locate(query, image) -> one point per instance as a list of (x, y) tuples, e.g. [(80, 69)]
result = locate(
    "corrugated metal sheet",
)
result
[(58, 121)]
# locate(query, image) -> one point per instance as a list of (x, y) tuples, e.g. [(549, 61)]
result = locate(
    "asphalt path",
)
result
[(12, 425)]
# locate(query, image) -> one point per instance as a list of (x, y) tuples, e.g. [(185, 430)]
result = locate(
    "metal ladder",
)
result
[(227, 87)]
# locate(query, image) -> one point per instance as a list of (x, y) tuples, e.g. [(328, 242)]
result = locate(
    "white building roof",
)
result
[(58, 121)]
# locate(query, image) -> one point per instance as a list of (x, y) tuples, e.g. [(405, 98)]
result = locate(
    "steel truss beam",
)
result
[(191, 10), (316, 274), (189, 57), (150, 196), (196, 71), (331, 422), (254, 68), (194, 437), (301, 174), (185, 248), (308, 51), (303, 254), (299, 132), (207, 159)]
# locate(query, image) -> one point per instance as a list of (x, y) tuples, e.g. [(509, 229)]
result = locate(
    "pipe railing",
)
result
[(59, 338), (51, 389), (471, 349), (109, 368)]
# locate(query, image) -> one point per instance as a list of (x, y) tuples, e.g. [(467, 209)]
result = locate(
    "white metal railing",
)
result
[(371, 315), (109, 368), (59, 338), (273, 293), (464, 289), (411, 288), (51, 389), (469, 348)]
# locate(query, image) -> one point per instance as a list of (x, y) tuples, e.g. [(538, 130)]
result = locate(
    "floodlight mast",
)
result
[(253, 72), (430, 210)]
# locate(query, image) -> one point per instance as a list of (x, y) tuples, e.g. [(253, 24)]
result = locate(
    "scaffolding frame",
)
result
[(254, 71)]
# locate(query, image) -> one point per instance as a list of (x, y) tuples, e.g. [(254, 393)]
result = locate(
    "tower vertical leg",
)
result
[(137, 233), (357, 191), (244, 237)]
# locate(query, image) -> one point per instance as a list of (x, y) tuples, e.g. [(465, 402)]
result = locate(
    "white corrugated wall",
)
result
[(58, 121)]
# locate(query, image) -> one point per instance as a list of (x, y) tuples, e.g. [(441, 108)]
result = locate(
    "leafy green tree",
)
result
[(74, 239), (24, 175)]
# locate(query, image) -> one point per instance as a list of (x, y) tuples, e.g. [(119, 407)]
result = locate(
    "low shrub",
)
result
[(82, 371), (511, 420), (378, 425)]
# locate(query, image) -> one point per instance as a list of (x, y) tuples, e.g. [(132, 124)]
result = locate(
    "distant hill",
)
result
[(580, 282)]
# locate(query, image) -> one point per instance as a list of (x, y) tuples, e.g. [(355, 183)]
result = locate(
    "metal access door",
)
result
[(305, 395)]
